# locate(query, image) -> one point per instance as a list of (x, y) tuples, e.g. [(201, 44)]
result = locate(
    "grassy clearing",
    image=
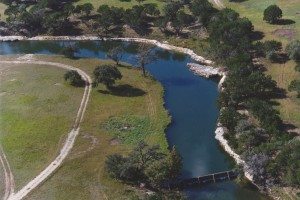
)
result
[(83, 175), (37, 111), (253, 9), (2, 9), (282, 73)]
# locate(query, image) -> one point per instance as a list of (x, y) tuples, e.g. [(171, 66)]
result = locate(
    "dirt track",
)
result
[(68, 144), (8, 176)]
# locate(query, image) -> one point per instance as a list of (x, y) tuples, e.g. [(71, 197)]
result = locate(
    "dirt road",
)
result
[(8, 176)]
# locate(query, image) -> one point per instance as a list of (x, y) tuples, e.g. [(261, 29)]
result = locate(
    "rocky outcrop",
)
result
[(204, 70)]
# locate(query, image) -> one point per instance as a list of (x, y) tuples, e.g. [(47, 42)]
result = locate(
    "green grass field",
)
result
[(37, 110), (253, 9), (82, 176)]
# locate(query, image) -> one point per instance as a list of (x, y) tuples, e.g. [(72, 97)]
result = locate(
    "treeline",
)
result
[(56, 17), (255, 128)]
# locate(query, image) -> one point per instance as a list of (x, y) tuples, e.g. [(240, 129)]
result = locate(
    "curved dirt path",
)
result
[(8, 176), (65, 150)]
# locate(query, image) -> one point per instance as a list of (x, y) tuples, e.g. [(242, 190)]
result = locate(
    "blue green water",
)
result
[(190, 100)]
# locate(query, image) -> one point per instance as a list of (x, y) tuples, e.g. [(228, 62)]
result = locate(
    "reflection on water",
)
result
[(191, 101)]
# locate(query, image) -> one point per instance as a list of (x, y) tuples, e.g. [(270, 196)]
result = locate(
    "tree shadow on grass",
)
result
[(281, 58), (124, 91), (285, 22), (257, 35)]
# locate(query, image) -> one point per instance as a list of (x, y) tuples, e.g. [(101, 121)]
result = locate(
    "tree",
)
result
[(229, 35), (287, 163), (145, 56), (69, 51), (145, 164), (295, 86), (119, 168), (143, 154), (170, 10), (272, 56), (107, 75), (57, 23), (180, 21), (151, 9), (84, 8), (116, 54), (229, 118), (73, 78), (109, 18), (157, 172), (136, 17), (272, 45), (87, 8), (272, 14), (265, 113), (203, 10), (174, 163), (293, 50)]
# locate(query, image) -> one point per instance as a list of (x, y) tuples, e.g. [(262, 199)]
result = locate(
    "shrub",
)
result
[(229, 117), (272, 56), (287, 163), (272, 45), (272, 14), (74, 78), (265, 113), (107, 75), (293, 50), (295, 86)]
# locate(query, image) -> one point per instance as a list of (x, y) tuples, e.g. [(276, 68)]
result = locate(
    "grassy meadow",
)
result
[(139, 106), (37, 111)]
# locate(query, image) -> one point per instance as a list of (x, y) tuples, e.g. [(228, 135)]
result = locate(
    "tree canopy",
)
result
[(272, 14), (107, 75)]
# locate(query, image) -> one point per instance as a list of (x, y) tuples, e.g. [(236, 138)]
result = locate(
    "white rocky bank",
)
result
[(202, 70)]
